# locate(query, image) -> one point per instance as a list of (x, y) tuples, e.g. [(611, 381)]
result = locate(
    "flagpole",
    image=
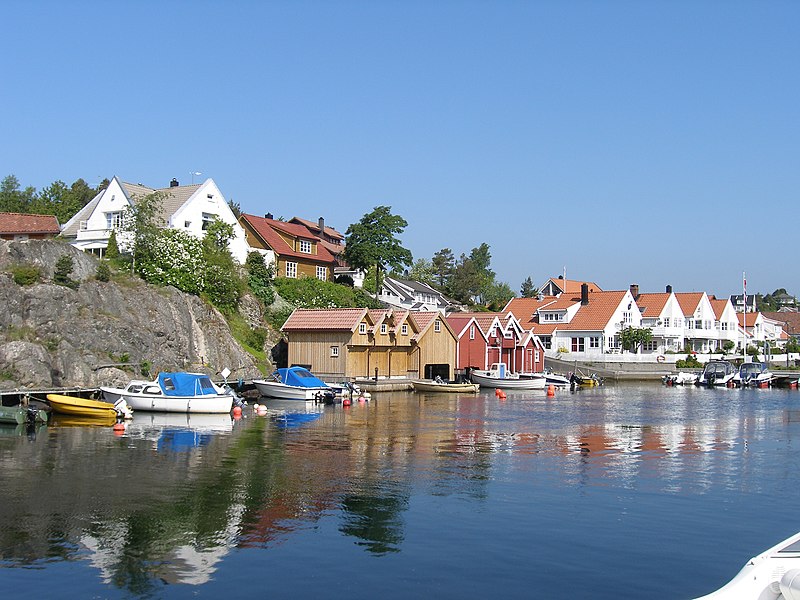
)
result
[(744, 323)]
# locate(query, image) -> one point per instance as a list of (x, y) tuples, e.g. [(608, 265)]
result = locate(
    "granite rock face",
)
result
[(103, 333)]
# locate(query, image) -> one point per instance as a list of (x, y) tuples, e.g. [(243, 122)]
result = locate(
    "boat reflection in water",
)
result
[(375, 491)]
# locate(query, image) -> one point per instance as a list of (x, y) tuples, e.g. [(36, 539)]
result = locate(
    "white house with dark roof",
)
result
[(189, 208), (412, 295)]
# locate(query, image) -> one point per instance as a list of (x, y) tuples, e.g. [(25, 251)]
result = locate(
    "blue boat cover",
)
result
[(298, 377), (186, 384)]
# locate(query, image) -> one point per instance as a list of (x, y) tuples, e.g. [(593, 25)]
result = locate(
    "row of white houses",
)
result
[(590, 322)]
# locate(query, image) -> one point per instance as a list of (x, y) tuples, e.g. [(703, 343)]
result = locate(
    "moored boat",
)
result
[(449, 387), (772, 575), (680, 378), (177, 392), (717, 373), (498, 377), (83, 407), (295, 383), (21, 414), (753, 374)]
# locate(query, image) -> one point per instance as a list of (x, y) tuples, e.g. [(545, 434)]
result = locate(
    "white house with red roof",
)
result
[(761, 329), (556, 286), (662, 314), (188, 208), (726, 323), (699, 317)]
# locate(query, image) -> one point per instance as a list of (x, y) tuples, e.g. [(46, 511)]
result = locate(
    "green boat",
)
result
[(21, 414)]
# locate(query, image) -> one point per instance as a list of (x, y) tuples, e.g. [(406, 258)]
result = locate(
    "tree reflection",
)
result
[(375, 520)]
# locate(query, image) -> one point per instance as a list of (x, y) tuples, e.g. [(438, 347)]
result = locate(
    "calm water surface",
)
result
[(629, 491)]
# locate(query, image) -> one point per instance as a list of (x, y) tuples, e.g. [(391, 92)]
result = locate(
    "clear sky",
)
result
[(626, 141)]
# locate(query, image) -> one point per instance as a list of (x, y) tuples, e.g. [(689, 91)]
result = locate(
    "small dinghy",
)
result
[(86, 407)]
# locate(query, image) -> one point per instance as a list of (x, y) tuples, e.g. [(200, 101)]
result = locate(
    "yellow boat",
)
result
[(81, 407)]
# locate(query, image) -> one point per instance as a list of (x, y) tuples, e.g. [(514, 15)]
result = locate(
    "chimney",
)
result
[(584, 294), (669, 289), (321, 225), (268, 216), (174, 183), (635, 290)]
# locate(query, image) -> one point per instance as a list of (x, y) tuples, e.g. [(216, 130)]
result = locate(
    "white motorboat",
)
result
[(772, 575), (753, 374), (440, 386), (680, 378), (174, 392), (717, 373), (498, 376), (295, 383)]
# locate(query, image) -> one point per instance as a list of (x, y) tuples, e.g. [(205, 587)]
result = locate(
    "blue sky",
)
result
[(628, 142)]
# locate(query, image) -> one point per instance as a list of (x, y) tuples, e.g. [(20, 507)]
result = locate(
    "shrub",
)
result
[(62, 272), (103, 271), (689, 362), (26, 274)]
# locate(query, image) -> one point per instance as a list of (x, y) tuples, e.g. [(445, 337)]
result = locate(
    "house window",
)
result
[(322, 273), (547, 341), (362, 328), (114, 220), (678, 322), (472, 332), (594, 342), (305, 247), (536, 356), (437, 325), (291, 270), (666, 321), (724, 325), (186, 224), (650, 346), (627, 317), (578, 344), (208, 218), (383, 328), (334, 351), (404, 329)]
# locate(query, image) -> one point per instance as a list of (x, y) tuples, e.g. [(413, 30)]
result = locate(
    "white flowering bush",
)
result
[(177, 260)]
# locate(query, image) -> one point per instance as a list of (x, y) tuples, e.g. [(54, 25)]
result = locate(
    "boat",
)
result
[(176, 392), (578, 380), (498, 376), (754, 374), (295, 383), (717, 373), (680, 378), (86, 407), (20, 415), (440, 386), (551, 378), (348, 389), (772, 575)]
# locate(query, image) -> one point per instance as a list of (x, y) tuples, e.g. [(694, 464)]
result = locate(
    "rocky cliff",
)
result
[(102, 332)]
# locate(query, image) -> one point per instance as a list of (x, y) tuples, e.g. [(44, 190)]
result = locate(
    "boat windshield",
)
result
[(751, 368)]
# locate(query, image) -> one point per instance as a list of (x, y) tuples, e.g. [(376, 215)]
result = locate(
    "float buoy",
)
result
[(237, 412), (551, 390), (661, 358)]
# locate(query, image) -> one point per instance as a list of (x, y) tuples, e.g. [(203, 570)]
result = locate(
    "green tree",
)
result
[(221, 283), (259, 277), (498, 296), (632, 338), (12, 199), (443, 263), (372, 242), (63, 270), (141, 224), (422, 270), (112, 249), (465, 283), (527, 290)]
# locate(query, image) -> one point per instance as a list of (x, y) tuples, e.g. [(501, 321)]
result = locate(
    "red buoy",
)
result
[(237, 412), (551, 390)]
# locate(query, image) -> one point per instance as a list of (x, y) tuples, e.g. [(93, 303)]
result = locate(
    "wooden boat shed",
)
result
[(349, 343)]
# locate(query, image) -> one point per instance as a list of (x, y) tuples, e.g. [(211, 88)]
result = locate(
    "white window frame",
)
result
[(437, 326), (304, 246), (114, 220), (334, 351), (208, 218), (322, 273), (404, 329), (362, 328), (291, 270), (472, 332), (383, 328)]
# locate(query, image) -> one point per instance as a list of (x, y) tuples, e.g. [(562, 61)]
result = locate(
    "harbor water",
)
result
[(622, 491)]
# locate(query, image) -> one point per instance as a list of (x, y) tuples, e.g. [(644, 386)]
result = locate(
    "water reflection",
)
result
[(171, 498)]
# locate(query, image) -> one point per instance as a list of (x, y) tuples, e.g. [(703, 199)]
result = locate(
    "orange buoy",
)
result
[(551, 390), (346, 402), (501, 395), (237, 411), (119, 428)]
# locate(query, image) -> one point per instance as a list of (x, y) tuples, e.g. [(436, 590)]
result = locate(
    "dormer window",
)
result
[(404, 329), (362, 328), (304, 246), (383, 328)]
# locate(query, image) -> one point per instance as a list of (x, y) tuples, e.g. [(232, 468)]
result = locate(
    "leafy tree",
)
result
[(632, 338), (527, 290), (443, 264), (112, 249), (221, 281), (422, 270), (498, 296), (372, 242), (235, 207), (259, 277), (12, 199), (465, 284), (141, 226)]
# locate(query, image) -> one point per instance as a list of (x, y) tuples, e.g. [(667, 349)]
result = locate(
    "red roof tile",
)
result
[(651, 305), (597, 314), (337, 319), (689, 302), (267, 230), (18, 223)]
